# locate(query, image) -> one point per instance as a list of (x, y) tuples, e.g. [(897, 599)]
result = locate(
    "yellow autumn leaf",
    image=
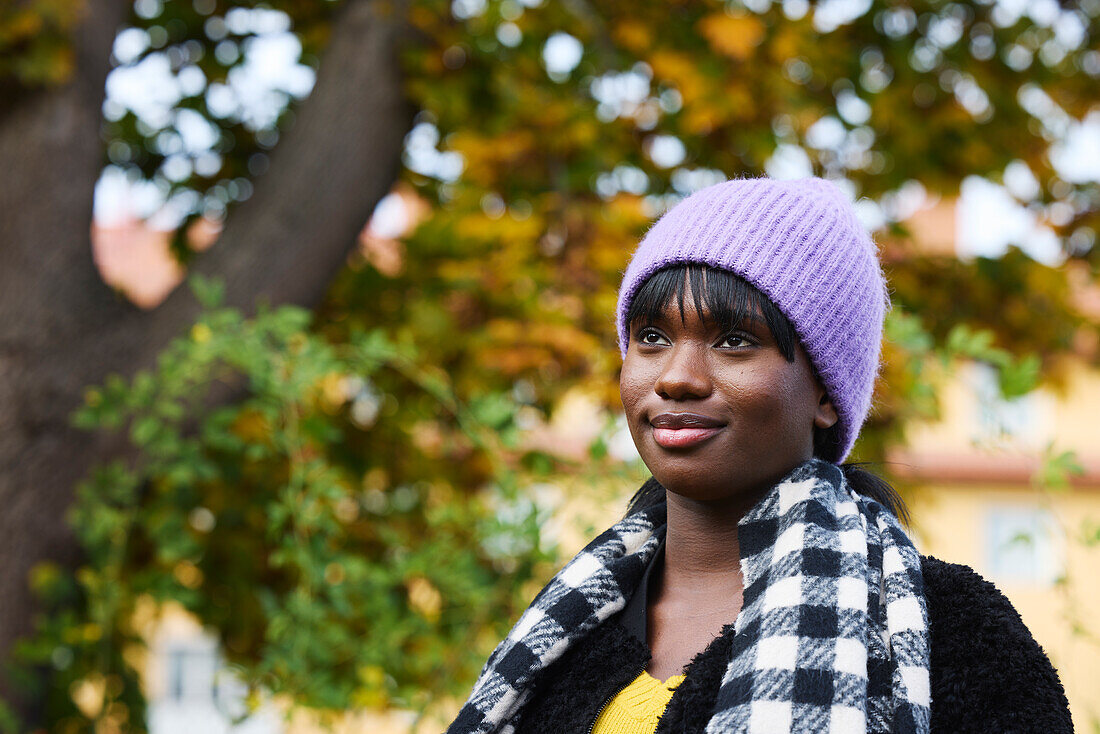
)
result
[(492, 150), (701, 119), (88, 694), (23, 24), (633, 34), (740, 101), (251, 426), (201, 333), (735, 36), (786, 43), (424, 598), (682, 71), (333, 391)]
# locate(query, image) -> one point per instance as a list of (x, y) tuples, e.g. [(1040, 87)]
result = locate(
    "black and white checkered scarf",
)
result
[(832, 593)]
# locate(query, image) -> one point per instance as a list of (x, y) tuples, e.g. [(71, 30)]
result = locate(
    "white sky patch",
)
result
[(509, 34), (148, 88), (905, 201), (119, 199), (391, 217), (795, 9), (198, 133), (1070, 30), (620, 93), (191, 81), (666, 151), (853, 109), (1043, 12), (945, 31), (129, 44), (828, 133), (423, 156), (258, 87), (1020, 181), (271, 60), (789, 162), (831, 14), (260, 21), (270, 71), (870, 214), (989, 219), (630, 179), (1007, 12), (258, 90), (690, 180), (1077, 158), (221, 101), (561, 54), (464, 9)]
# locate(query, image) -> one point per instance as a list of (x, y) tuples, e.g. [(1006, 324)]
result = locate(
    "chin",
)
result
[(698, 479), (716, 494)]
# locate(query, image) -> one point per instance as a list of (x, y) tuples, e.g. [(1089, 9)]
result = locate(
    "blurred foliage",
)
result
[(340, 562), (1057, 470), (35, 44), (563, 170), (330, 574)]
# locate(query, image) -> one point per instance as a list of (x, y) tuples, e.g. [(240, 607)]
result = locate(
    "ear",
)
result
[(825, 416)]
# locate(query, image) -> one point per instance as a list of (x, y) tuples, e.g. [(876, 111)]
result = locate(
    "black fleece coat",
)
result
[(987, 672)]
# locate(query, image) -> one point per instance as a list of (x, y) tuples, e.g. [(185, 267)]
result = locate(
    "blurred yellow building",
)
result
[(981, 500), (980, 494)]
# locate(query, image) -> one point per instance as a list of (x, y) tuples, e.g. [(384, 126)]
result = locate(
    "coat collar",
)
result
[(634, 617)]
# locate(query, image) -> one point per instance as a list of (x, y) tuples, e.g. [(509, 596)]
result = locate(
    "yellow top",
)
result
[(636, 708)]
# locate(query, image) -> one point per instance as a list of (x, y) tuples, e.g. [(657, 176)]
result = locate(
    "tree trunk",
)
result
[(63, 329)]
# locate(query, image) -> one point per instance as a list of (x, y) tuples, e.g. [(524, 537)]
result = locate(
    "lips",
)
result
[(684, 430)]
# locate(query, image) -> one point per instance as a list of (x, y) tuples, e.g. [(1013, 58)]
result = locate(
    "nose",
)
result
[(684, 375)]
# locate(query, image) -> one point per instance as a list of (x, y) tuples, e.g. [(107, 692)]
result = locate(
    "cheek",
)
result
[(796, 396), (773, 395), (634, 384)]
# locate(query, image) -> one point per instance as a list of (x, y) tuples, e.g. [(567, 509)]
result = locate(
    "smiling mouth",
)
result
[(684, 430)]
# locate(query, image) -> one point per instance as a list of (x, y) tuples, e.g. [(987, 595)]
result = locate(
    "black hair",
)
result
[(728, 300)]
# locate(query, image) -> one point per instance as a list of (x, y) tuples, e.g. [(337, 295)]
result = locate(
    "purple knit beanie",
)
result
[(801, 245)]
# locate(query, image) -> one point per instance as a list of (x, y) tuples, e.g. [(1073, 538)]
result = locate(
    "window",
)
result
[(191, 671), (999, 420), (200, 694), (1023, 545)]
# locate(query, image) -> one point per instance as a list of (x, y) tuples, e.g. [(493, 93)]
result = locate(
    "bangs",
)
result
[(717, 295)]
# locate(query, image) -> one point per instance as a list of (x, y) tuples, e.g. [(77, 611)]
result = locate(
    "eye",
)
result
[(651, 337), (735, 341)]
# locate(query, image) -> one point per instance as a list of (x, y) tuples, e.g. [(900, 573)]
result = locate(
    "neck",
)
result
[(701, 547)]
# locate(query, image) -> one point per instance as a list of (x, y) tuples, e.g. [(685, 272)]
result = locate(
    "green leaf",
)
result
[(1021, 376), (907, 331), (209, 292), (1057, 468)]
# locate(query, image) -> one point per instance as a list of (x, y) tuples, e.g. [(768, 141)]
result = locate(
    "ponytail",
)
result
[(868, 484), (876, 488)]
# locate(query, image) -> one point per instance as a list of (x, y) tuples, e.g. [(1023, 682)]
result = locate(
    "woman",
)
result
[(756, 584)]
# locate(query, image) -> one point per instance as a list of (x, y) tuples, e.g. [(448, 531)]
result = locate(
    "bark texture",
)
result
[(62, 329)]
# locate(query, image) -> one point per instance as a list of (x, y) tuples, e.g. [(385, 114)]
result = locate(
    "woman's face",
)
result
[(718, 415)]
